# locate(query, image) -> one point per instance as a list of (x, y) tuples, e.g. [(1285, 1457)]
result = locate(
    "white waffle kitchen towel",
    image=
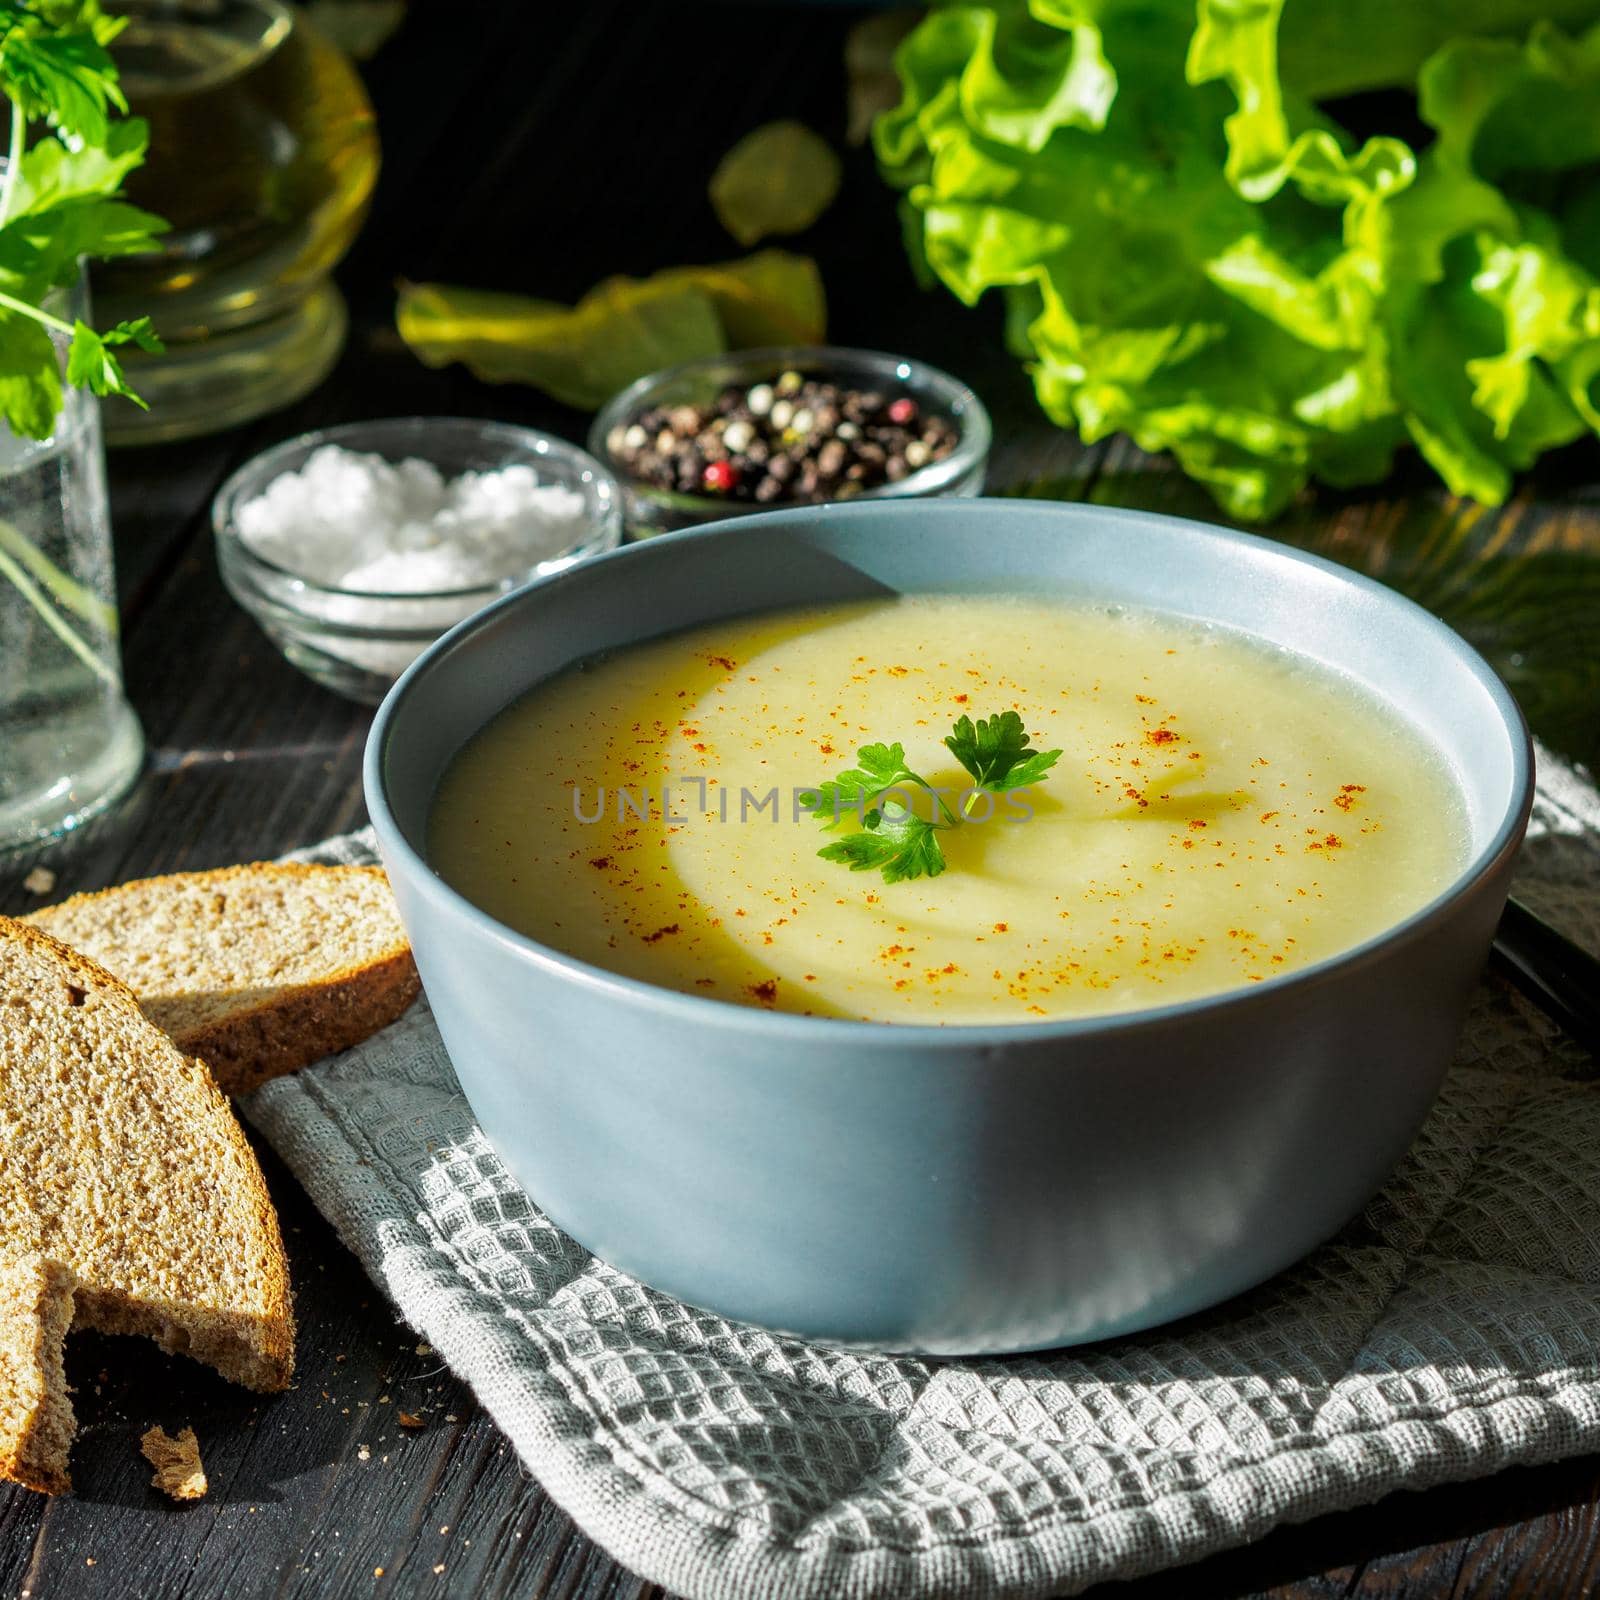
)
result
[(1451, 1330)]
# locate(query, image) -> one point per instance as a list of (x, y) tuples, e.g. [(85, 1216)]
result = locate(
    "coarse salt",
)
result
[(404, 552), (352, 520)]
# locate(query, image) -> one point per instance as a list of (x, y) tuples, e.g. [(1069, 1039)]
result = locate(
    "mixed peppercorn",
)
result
[(794, 439)]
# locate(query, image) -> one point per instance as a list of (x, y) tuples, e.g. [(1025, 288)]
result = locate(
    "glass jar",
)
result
[(69, 742), (263, 156)]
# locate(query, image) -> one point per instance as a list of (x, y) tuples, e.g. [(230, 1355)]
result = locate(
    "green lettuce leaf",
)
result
[(1194, 252), (1343, 48)]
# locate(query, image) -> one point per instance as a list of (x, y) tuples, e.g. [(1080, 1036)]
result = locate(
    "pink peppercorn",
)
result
[(903, 411), (719, 476)]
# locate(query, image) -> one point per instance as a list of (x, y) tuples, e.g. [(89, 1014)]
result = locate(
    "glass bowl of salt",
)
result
[(355, 547)]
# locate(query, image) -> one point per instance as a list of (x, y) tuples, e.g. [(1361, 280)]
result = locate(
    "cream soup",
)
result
[(1222, 813)]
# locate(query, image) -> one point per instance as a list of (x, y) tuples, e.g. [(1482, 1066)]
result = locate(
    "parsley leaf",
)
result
[(51, 173), (41, 250), (67, 78), (106, 228), (894, 837), (900, 844), (997, 754), (60, 205), (857, 790), (30, 383), (90, 361)]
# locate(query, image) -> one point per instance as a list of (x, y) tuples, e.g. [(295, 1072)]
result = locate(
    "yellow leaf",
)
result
[(772, 297), (778, 179), (360, 28), (871, 82), (622, 329)]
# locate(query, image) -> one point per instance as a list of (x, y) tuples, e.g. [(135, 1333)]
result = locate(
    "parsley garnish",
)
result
[(879, 794), (59, 203), (997, 753)]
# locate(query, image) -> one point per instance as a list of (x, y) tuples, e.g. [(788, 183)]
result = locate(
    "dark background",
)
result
[(540, 147)]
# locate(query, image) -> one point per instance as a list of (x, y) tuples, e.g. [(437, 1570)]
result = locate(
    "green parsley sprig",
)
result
[(879, 793), (60, 205)]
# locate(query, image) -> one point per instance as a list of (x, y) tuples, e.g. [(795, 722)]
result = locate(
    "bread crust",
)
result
[(34, 1451), (255, 1349), (211, 875), (304, 1024)]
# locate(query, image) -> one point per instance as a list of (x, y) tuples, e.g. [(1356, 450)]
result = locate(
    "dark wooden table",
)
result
[(541, 148)]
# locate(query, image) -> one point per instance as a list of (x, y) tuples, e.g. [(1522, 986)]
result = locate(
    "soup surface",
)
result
[(1221, 813)]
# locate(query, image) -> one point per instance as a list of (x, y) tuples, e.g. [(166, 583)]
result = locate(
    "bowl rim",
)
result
[(975, 436), (265, 467), (709, 1011)]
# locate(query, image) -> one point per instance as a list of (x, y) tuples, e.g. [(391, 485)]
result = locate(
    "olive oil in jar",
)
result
[(263, 156)]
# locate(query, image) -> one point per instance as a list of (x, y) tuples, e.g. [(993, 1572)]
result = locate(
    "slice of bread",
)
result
[(121, 1161), (258, 970), (36, 1421)]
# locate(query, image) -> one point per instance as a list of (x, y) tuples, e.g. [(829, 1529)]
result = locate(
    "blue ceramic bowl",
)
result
[(959, 1189)]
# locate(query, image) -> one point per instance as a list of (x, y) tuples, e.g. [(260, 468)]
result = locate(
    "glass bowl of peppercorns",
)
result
[(752, 429)]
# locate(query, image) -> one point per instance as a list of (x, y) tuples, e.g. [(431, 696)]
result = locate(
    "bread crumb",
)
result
[(436, 1571), (41, 880), (409, 1419), (424, 1349), (178, 1471), (364, 1454)]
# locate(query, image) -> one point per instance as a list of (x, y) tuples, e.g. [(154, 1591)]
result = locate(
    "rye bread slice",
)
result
[(258, 970), (121, 1162)]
